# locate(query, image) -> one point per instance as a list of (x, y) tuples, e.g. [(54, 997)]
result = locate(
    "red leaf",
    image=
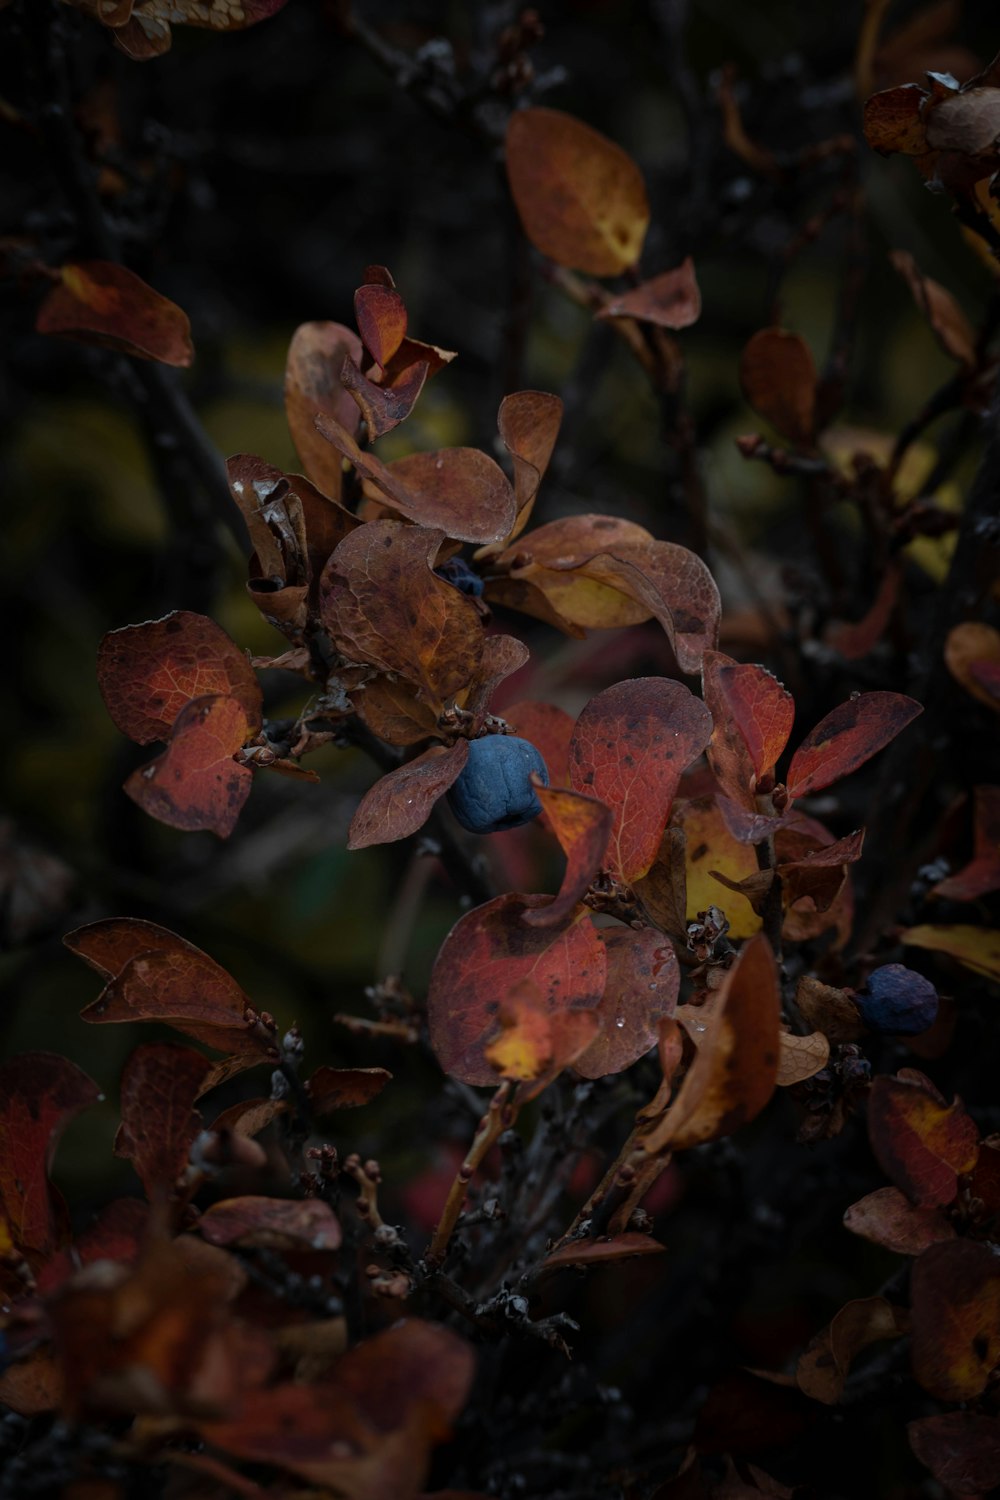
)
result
[(955, 1296), (735, 1069), (752, 716), (920, 1142), (39, 1094), (148, 673), (102, 303), (381, 316), (961, 1449), (534, 1044), (154, 975), (160, 1084), (330, 1089), (382, 603), (888, 1219), (196, 783), (982, 874), (117, 1234), (847, 737), (640, 990), (460, 490), (779, 380), (582, 825), (630, 747), (893, 121), (312, 385), (402, 801), (384, 406), (550, 729), (487, 954), (671, 300), (271, 1223)]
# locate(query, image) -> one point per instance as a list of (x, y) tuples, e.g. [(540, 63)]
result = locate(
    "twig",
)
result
[(500, 1116)]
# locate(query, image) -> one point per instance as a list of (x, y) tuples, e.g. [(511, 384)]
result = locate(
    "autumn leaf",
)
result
[(801, 1057), (146, 33), (381, 317), (950, 326), (148, 673), (779, 380), (955, 1297), (887, 1218), (970, 647), (643, 980), (976, 948), (982, 874), (582, 825), (580, 197), (630, 747), (316, 356), (401, 802), (961, 1449), (528, 423), (330, 1089), (196, 782), (40, 1093), (271, 1224), (735, 1069), (534, 1044), (823, 1370), (160, 1084), (487, 954), (671, 300), (920, 1142), (752, 715), (98, 302), (847, 737), (600, 1252), (893, 121)]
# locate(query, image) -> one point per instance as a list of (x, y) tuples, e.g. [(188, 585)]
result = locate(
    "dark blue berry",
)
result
[(897, 1001), (458, 573), (493, 791)]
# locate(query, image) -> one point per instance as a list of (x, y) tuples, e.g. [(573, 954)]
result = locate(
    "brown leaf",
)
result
[(534, 1044), (402, 801), (487, 954), (629, 749), (382, 603), (752, 715), (581, 198), (601, 1252), (671, 300), (196, 783), (735, 1069), (643, 979), (528, 423), (395, 712), (503, 655), (381, 317), (961, 1449), (312, 384), (955, 1297), (460, 490), (830, 1010), (271, 1224), (779, 380), (582, 825), (967, 121), (887, 1218), (330, 1089), (893, 121), (662, 891), (801, 1057), (967, 646), (676, 588), (823, 1370), (160, 1084), (148, 673), (102, 303), (920, 1142), (847, 737), (384, 406), (951, 327)]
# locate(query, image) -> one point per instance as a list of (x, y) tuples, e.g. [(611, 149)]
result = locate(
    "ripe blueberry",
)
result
[(493, 791), (897, 1001)]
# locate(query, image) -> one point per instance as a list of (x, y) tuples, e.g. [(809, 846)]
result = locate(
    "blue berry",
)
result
[(458, 573), (897, 1001), (493, 791)]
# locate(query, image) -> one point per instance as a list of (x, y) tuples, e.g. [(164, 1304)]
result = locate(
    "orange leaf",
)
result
[(920, 1142), (550, 729), (460, 490), (148, 673), (847, 737), (752, 716), (160, 1084), (487, 954), (528, 423), (671, 300), (402, 801), (581, 198), (316, 357), (735, 1069), (779, 380), (535, 1044), (887, 1218), (955, 1297), (823, 1370), (382, 603), (643, 978), (196, 783), (892, 121), (801, 1057), (582, 825), (630, 747), (102, 303), (381, 316), (344, 1088), (40, 1093)]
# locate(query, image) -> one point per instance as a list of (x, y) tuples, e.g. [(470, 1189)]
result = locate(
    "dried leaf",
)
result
[(196, 783), (967, 121), (712, 852), (671, 300), (581, 198), (487, 954), (823, 1370), (271, 1224), (735, 1069), (330, 1089), (102, 303), (160, 1084), (384, 406), (893, 121), (503, 655), (977, 948), (312, 384), (382, 603), (955, 1297), (951, 327), (401, 801), (847, 737), (601, 1252), (534, 1044), (801, 1057), (961, 1449), (630, 747), (920, 1142), (395, 712), (583, 826), (887, 1218), (829, 1009), (381, 317), (528, 423), (779, 380), (662, 891), (148, 673), (643, 980)]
